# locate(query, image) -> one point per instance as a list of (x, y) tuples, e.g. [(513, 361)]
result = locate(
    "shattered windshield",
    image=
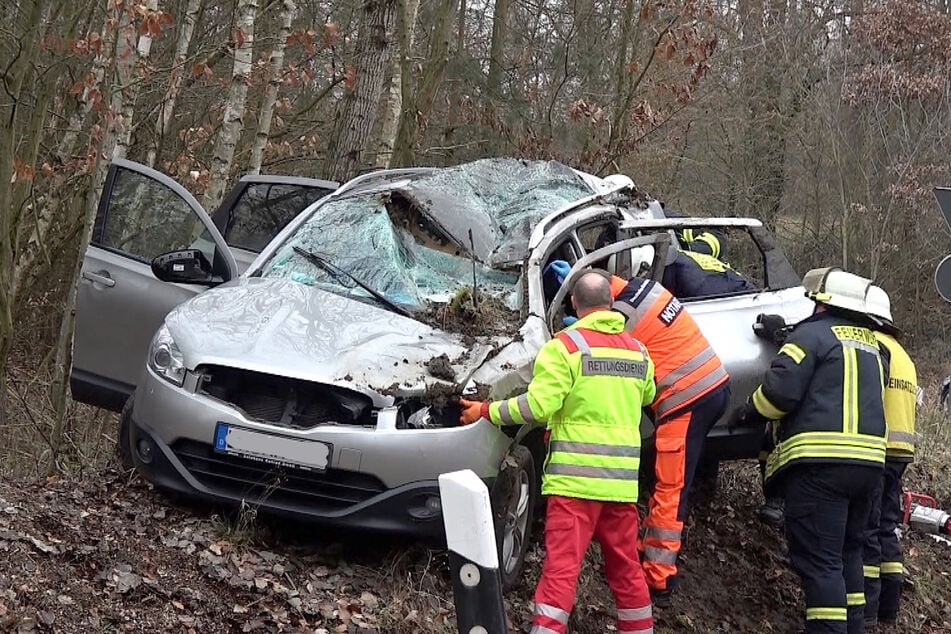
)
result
[(420, 241), (356, 235)]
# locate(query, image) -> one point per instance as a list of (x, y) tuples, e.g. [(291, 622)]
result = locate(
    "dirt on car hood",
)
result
[(285, 328)]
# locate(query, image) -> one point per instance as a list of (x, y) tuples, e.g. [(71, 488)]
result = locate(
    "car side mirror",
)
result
[(189, 266)]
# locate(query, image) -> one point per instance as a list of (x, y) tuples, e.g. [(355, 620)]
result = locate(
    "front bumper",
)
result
[(376, 479), (332, 498)]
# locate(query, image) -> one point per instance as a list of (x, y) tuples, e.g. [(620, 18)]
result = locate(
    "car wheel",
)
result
[(513, 502), (123, 445)]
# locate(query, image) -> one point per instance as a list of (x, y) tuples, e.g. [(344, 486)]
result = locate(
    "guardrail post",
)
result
[(473, 557)]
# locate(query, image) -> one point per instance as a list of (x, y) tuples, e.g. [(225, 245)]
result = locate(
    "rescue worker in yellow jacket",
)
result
[(825, 387), (883, 560), (589, 384)]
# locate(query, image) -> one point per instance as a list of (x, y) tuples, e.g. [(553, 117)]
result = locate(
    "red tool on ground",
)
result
[(922, 512)]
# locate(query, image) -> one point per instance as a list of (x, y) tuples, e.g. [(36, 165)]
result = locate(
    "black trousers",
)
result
[(827, 509), (882, 558), (704, 415)]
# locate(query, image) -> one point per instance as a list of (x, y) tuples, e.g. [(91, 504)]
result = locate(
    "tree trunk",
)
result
[(400, 67), (419, 102), (133, 66), (233, 119), (622, 73), (63, 358), (497, 48), (275, 68), (33, 256), (357, 115), (167, 108), (18, 77), (455, 97), (766, 141)]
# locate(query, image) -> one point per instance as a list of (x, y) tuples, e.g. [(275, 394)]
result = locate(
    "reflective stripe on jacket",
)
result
[(901, 398), (685, 366), (825, 386), (706, 242), (589, 383)]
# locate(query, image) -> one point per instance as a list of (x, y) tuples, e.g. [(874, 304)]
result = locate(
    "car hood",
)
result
[(278, 326)]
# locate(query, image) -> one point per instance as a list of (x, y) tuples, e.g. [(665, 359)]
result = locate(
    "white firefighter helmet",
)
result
[(878, 305), (642, 258), (837, 288)]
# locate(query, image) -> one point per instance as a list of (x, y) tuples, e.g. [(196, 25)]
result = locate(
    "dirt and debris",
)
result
[(441, 368), (486, 316), (108, 553)]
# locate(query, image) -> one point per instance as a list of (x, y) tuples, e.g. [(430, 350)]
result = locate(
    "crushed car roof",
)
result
[(490, 206)]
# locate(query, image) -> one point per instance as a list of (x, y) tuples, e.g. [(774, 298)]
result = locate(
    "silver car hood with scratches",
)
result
[(281, 327)]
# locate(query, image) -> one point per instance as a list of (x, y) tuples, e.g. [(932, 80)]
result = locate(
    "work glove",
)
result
[(772, 328), (567, 320), (560, 268), (743, 416), (472, 411)]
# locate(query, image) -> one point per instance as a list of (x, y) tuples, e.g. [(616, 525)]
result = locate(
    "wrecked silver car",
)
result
[(322, 382)]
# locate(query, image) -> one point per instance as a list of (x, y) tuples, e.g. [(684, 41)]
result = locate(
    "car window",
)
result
[(597, 235), (264, 209), (144, 218)]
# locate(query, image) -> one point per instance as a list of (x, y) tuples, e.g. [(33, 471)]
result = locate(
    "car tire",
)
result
[(514, 497), (124, 444)]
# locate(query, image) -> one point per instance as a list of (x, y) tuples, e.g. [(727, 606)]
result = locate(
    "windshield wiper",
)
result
[(337, 273)]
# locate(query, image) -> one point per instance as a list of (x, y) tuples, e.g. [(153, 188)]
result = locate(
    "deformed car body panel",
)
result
[(280, 327)]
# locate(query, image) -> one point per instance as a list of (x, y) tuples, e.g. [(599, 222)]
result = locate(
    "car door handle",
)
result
[(99, 277)]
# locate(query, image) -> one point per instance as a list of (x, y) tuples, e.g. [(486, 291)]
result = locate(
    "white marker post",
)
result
[(473, 557)]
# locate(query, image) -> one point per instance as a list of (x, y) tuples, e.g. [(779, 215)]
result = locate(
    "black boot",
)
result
[(772, 512)]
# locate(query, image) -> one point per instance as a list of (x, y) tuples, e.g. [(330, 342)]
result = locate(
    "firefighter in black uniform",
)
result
[(706, 241), (698, 275), (825, 388)]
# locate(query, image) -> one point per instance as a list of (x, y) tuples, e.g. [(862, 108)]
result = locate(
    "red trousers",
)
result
[(569, 527)]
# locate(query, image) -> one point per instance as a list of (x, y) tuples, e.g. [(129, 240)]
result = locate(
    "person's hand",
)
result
[(567, 320), (771, 328), (560, 268), (740, 417), (471, 411)]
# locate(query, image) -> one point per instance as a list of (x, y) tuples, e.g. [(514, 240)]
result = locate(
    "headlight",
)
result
[(165, 358)]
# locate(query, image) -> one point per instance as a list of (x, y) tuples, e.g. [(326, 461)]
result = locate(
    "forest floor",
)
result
[(107, 553)]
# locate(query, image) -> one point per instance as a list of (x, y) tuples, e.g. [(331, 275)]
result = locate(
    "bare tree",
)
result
[(274, 80), (356, 118), (21, 126), (419, 100), (500, 17), (167, 106), (233, 119), (393, 108), (63, 356), (133, 63)]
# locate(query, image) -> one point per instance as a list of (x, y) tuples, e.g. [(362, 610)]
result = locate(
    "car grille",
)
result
[(283, 401), (286, 486)]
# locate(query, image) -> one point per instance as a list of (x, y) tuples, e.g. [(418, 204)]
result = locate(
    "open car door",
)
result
[(121, 303)]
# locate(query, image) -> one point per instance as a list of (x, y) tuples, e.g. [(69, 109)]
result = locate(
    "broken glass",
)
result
[(413, 245)]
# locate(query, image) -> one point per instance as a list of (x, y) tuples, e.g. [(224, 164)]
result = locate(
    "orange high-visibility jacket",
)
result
[(685, 366)]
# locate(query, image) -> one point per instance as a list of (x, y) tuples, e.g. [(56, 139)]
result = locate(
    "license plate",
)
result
[(281, 451)]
